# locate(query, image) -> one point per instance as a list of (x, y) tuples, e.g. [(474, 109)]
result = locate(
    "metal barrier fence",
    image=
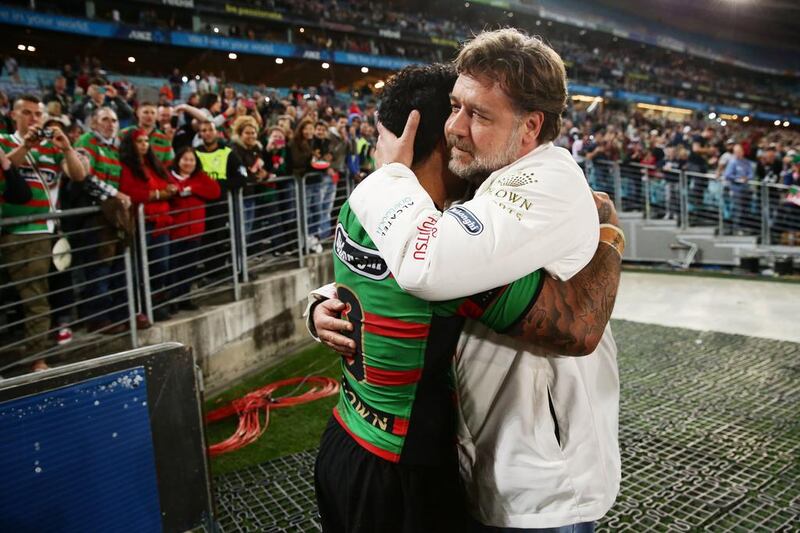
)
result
[(43, 298), (115, 287), (769, 211)]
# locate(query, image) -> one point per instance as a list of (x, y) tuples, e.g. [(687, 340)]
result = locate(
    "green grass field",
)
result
[(290, 430)]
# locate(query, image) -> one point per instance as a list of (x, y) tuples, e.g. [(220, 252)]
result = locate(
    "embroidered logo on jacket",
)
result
[(361, 260), (467, 219)]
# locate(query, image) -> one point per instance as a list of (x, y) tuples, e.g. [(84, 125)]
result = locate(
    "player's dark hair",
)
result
[(424, 88)]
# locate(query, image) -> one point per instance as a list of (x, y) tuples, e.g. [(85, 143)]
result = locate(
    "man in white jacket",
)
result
[(538, 435)]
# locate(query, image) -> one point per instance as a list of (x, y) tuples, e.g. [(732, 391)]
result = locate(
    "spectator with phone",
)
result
[(194, 189), (102, 94), (282, 207)]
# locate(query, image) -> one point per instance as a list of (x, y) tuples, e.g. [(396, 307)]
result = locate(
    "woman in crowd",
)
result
[(303, 152), (145, 181), (249, 151), (194, 189), (280, 200)]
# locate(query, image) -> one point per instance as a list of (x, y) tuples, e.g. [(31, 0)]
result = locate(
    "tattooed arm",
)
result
[(569, 317)]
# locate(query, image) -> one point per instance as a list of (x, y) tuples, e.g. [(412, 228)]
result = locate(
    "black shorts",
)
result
[(358, 492)]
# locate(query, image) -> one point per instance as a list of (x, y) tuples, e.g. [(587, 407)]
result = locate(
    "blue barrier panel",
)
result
[(80, 458)]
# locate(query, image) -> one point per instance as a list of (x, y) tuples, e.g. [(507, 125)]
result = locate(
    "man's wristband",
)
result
[(613, 236)]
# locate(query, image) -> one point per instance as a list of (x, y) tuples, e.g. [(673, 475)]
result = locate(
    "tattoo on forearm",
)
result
[(569, 317), (604, 212)]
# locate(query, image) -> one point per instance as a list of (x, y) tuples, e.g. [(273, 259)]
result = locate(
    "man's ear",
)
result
[(533, 125)]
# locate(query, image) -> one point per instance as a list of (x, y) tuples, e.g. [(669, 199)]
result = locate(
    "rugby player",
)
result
[(538, 436)]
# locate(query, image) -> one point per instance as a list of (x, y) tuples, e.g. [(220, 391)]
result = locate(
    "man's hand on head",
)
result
[(393, 149), (606, 211), (329, 327)]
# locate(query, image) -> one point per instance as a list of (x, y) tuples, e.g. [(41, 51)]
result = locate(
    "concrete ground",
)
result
[(709, 424)]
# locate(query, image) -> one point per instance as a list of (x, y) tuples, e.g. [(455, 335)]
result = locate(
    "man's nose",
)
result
[(457, 124)]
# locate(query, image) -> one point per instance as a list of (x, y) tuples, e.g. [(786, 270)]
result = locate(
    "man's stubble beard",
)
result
[(476, 171)]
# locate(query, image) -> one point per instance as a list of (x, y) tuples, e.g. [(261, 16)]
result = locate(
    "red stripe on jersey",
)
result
[(391, 327), (100, 157), (37, 203), (371, 448), (381, 376), (159, 148), (400, 427), (469, 309)]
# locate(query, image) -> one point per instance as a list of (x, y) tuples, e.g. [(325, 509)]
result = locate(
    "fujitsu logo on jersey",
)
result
[(391, 215), (361, 260), (427, 231)]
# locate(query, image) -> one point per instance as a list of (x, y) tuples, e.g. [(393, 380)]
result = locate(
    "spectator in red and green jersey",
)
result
[(102, 145), (103, 274), (160, 142), (27, 246)]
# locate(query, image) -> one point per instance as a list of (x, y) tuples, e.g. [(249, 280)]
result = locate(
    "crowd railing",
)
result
[(766, 210), (116, 285)]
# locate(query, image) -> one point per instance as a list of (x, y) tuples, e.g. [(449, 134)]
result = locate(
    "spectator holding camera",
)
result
[(40, 156), (102, 94), (145, 180), (194, 189)]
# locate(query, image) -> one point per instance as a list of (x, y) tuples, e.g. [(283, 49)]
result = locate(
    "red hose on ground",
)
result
[(248, 406)]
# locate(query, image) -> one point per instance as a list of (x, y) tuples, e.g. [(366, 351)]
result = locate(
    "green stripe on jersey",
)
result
[(393, 332), (47, 159), (104, 158), (159, 142)]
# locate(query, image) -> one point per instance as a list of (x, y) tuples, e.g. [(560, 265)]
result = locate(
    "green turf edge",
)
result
[(290, 430)]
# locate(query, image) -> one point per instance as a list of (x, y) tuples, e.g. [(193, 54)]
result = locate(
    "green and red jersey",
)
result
[(103, 157), (42, 169), (397, 397), (159, 143)]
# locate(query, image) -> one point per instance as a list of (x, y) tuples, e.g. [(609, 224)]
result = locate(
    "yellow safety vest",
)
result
[(215, 163)]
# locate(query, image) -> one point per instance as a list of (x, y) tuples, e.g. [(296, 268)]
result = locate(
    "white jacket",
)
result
[(536, 213)]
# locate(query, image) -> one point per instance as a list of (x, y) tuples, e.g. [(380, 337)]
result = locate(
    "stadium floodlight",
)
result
[(364, 70), (31, 48), (185, 79), (279, 60), (538, 22), (723, 123), (131, 59), (216, 30), (232, 55), (777, 122), (21, 47), (785, 123), (712, 116), (379, 84), (302, 30), (746, 119), (466, 4), (326, 65)]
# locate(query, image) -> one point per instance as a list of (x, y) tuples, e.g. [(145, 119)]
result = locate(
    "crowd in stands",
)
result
[(735, 160), (100, 146), (88, 142), (592, 57)]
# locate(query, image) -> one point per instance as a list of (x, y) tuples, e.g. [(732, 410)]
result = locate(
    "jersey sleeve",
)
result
[(525, 220), (500, 308)]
